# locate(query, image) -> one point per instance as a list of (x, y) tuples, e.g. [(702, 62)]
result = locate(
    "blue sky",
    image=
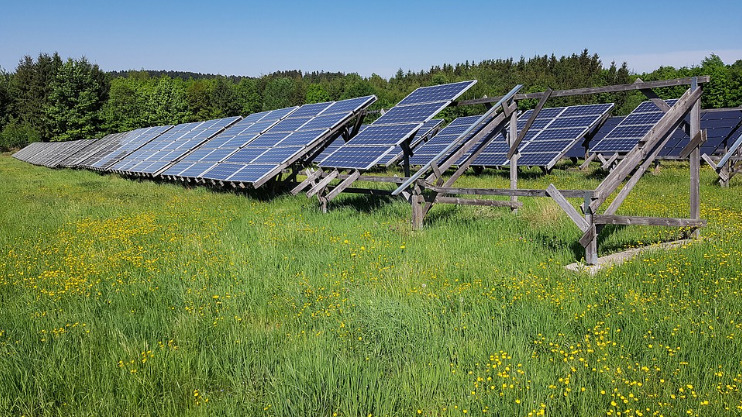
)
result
[(378, 36)]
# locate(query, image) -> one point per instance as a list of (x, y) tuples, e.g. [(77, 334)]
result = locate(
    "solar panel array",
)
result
[(50, 154), (427, 151), (397, 125), (554, 131), (427, 130), (631, 129), (151, 158), (722, 128), (578, 150), (335, 145), (127, 144), (213, 151), (288, 140)]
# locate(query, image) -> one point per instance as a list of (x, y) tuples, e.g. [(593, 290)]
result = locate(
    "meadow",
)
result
[(126, 297)]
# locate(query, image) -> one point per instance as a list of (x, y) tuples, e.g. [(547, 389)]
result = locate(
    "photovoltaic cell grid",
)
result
[(578, 150), (98, 150), (722, 128), (287, 141), (50, 154), (425, 152), (367, 148), (335, 145), (165, 149), (631, 129), (554, 131), (427, 130), (216, 149), (132, 141)]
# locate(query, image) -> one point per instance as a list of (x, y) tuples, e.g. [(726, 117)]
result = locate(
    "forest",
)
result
[(48, 98)]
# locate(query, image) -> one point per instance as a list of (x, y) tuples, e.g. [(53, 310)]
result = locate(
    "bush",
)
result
[(18, 135)]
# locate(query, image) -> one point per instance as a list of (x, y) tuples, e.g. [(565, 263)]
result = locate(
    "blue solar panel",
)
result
[(631, 129), (277, 155), (245, 155), (720, 128), (426, 131), (411, 114), (287, 141), (324, 122), (387, 135), (253, 173), (222, 171), (300, 138), (578, 150), (396, 126), (437, 93), (356, 157), (425, 152)]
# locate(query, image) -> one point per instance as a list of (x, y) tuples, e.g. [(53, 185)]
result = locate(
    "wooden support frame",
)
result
[(428, 186)]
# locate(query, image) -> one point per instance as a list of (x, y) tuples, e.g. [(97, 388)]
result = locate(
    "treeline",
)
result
[(51, 99)]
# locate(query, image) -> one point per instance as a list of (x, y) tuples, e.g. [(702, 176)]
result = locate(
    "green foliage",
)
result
[(279, 93), (144, 98), (77, 95), (316, 93), (167, 103), (16, 135)]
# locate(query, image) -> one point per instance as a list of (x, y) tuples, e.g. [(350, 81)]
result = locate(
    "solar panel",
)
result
[(128, 144), (424, 153), (225, 143), (631, 129), (288, 141), (722, 127), (551, 134), (335, 145), (101, 148), (169, 148), (395, 126), (578, 150), (427, 130)]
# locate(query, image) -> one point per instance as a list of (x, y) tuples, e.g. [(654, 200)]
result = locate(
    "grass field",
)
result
[(122, 297)]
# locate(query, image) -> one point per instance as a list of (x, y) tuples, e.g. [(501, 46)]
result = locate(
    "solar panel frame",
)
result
[(412, 112), (631, 129)]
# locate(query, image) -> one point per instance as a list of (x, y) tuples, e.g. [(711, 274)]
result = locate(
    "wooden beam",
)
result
[(589, 159), (709, 161), (697, 141), (695, 159), (505, 192), (567, 207), (592, 90), (647, 221), (343, 185), (311, 177), (370, 178), (635, 177), (477, 202), (324, 182), (369, 191), (529, 122), (664, 126)]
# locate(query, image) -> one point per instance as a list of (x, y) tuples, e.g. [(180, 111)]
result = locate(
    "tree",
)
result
[(167, 102), (248, 96), (224, 101), (316, 93), (278, 93), (75, 101), (126, 108), (30, 88)]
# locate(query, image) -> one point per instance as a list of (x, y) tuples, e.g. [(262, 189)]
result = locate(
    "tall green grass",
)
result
[(123, 297)]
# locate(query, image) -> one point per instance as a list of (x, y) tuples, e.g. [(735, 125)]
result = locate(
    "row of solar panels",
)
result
[(260, 146)]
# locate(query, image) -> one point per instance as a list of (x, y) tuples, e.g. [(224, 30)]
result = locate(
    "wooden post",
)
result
[(512, 137), (591, 248), (695, 160), (417, 201)]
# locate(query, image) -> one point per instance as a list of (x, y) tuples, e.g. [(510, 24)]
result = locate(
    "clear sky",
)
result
[(373, 36)]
